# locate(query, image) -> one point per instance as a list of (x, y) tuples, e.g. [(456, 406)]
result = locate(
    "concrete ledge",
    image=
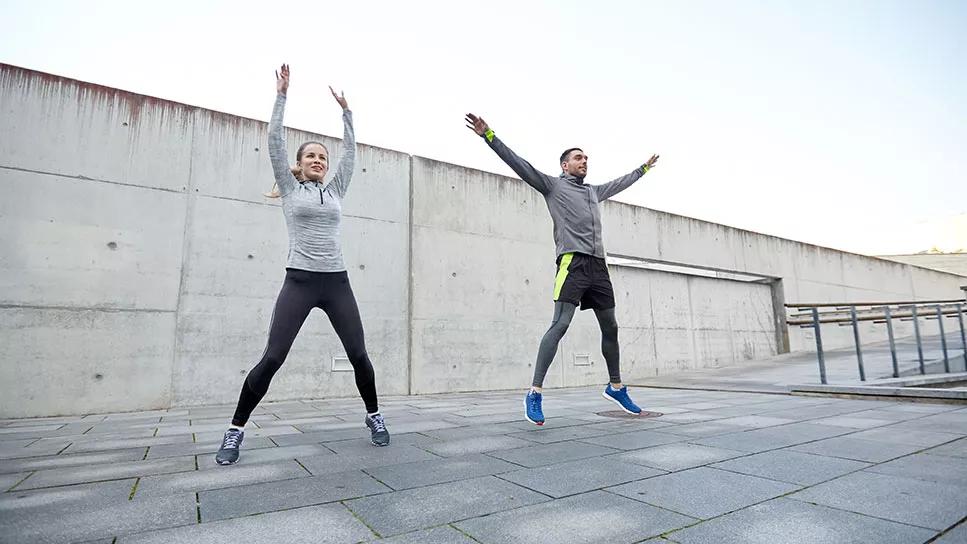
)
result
[(882, 391), (920, 379)]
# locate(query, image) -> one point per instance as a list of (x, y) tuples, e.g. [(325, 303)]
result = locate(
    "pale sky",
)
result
[(839, 123)]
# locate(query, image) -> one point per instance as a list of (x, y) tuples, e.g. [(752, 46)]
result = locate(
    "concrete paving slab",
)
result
[(412, 509), (80, 496), (905, 500), (579, 476), (70, 523), (227, 476), (703, 492), (202, 448), (439, 535), (267, 455), (362, 446), (847, 447), (245, 500), (474, 444), (783, 521), (111, 471), (957, 448), (792, 466), (956, 535), (437, 471), (705, 429), (772, 438), (62, 461), (329, 524), (378, 457), (7, 481), (851, 422), (549, 454), (95, 444), (930, 468), (577, 519), (902, 434), (635, 440), (675, 457)]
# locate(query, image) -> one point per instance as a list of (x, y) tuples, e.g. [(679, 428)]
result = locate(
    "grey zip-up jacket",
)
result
[(312, 209), (572, 203)]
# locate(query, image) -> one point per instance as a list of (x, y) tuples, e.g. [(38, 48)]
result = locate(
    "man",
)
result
[(582, 275)]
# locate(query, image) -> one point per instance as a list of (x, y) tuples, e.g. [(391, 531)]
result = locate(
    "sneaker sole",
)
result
[(614, 400), (528, 418), (225, 463)]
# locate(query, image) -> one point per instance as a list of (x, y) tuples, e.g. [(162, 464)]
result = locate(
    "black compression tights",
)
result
[(301, 292), (563, 312)]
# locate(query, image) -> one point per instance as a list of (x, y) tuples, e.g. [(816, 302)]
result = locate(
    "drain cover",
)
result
[(619, 414)]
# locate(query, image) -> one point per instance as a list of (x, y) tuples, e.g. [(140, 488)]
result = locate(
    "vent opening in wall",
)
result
[(582, 359), (340, 363)]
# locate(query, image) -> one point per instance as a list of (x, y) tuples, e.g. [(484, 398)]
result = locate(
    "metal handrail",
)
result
[(877, 315), (845, 313), (858, 304)]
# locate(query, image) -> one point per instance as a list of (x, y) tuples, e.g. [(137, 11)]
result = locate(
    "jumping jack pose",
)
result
[(315, 272), (582, 274)]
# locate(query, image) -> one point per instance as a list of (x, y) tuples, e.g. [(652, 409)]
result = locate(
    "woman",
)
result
[(315, 273)]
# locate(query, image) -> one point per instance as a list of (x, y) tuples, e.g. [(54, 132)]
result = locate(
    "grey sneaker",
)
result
[(228, 453), (378, 427)]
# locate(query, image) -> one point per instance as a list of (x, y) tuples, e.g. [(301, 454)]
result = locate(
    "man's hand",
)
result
[(476, 124), (651, 162), (341, 98), (282, 81)]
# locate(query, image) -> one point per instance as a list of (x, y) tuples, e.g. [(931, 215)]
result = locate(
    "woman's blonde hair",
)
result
[(274, 193), (296, 170)]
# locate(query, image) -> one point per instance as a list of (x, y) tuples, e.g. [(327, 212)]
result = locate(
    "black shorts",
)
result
[(583, 280)]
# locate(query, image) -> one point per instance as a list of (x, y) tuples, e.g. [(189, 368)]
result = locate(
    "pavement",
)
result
[(716, 467)]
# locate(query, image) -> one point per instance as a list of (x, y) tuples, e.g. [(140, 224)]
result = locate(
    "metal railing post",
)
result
[(856, 338), (916, 332), (819, 346), (963, 337), (889, 332), (943, 340)]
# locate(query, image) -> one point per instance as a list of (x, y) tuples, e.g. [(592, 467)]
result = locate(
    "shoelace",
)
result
[(378, 425), (534, 403), (624, 398), (231, 440)]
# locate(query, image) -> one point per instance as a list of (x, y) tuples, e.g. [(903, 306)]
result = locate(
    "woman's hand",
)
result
[(341, 98), (282, 81)]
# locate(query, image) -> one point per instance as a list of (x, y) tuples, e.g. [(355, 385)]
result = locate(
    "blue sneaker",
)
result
[(621, 398), (532, 408)]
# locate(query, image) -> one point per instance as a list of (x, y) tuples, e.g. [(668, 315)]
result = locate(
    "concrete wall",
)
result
[(953, 263), (139, 265), (483, 277), (809, 273)]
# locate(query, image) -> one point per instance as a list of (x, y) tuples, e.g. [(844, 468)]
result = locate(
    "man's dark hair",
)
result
[(567, 152)]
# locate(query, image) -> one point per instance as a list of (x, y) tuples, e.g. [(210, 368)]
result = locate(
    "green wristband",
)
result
[(644, 169), (489, 135)]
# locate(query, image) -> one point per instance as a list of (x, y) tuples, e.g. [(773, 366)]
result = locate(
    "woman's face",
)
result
[(314, 162)]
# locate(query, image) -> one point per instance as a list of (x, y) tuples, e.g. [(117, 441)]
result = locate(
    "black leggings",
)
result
[(563, 312), (301, 292)]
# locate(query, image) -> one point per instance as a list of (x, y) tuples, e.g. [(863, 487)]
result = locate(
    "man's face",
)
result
[(576, 164)]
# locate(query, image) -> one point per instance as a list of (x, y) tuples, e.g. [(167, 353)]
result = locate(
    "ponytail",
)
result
[(274, 193)]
